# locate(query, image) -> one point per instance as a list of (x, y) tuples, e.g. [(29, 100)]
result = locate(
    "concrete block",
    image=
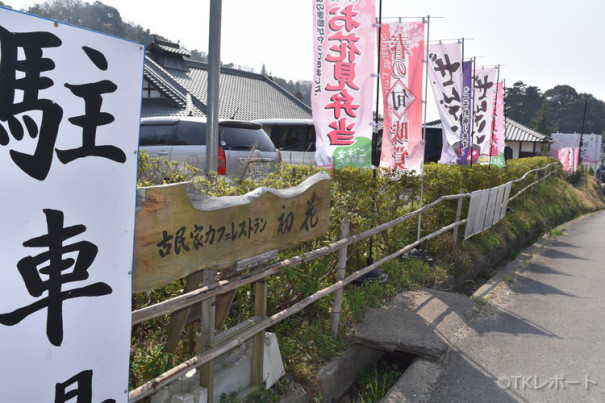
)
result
[(273, 366), (200, 394), (336, 377), (184, 398), (232, 373), (163, 396)]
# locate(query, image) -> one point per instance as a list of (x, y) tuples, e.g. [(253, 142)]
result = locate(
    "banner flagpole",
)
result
[(376, 161), (426, 80)]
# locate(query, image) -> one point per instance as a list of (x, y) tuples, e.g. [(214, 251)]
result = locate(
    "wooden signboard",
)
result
[(180, 230)]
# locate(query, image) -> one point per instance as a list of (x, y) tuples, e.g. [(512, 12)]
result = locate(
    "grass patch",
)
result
[(374, 382), (479, 301)]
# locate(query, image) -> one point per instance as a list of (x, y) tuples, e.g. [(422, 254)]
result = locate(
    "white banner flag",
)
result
[(484, 95), (445, 72)]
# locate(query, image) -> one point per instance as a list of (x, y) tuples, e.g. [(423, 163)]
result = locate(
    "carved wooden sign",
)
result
[(179, 230)]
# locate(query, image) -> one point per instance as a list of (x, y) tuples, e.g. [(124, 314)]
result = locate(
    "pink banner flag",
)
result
[(401, 70), (445, 72), (484, 95), (344, 43), (498, 141), (568, 156)]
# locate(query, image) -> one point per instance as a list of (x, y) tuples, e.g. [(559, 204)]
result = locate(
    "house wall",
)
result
[(526, 147), (514, 145)]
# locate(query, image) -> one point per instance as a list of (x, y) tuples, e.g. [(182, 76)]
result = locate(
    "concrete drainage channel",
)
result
[(338, 377)]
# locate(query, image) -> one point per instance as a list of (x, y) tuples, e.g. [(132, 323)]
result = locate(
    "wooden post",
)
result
[(178, 320), (340, 274), (206, 341), (458, 213), (258, 349)]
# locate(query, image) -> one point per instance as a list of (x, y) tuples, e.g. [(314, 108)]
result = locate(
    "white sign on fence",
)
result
[(481, 211), (69, 116), (486, 208), (491, 207)]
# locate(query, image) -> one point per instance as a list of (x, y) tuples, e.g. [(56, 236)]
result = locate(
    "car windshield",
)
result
[(239, 138)]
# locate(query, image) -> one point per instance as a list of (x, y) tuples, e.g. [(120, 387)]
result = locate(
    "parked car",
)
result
[(244, 149), (295, 139)]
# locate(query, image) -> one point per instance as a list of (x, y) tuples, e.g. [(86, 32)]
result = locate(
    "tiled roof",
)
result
[(243, 95), (168, 47), (514, 131), (162, 107)]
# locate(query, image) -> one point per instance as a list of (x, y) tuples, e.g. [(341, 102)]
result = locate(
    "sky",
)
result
[(540, 42)]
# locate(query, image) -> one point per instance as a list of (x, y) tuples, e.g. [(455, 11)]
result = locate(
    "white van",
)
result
[(244, 149), (295, 139)]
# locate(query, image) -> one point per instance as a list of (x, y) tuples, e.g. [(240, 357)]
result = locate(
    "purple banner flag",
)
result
[(466, 114)]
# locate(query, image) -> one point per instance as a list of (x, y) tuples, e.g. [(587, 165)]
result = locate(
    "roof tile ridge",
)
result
[(523, 127), (286, 92), (180, 90)]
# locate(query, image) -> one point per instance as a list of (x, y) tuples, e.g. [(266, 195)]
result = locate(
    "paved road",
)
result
[(544, 339)]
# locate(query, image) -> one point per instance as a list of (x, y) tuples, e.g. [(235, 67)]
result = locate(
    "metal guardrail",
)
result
[(253, 327)]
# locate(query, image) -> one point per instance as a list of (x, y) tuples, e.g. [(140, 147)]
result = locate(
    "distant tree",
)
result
[(62, 10), (594, 122), (263, 70), (4, 5), (541, 122), (522, 102), (199, 56), (566, 108)]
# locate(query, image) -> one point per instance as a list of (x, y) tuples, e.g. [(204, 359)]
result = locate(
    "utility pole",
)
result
[(214, 71), (582, 133)]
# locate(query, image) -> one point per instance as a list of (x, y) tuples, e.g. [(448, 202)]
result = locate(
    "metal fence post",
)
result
[(458, 213), (340, 274)]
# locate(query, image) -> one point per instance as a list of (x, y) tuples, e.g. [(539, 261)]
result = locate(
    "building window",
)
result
[(149, 90)]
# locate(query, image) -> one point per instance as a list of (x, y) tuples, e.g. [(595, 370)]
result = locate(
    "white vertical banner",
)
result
[(445, 72), (484, 96), (70, 105), (343, 88)]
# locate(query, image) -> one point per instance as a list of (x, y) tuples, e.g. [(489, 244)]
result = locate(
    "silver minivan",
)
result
[(244, 149), (295, 138)]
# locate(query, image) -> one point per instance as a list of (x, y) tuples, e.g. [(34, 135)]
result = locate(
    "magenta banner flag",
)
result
[(445, 73), (498, 143), (344, 46), (484, 96), (568, 156), (401, 71)]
